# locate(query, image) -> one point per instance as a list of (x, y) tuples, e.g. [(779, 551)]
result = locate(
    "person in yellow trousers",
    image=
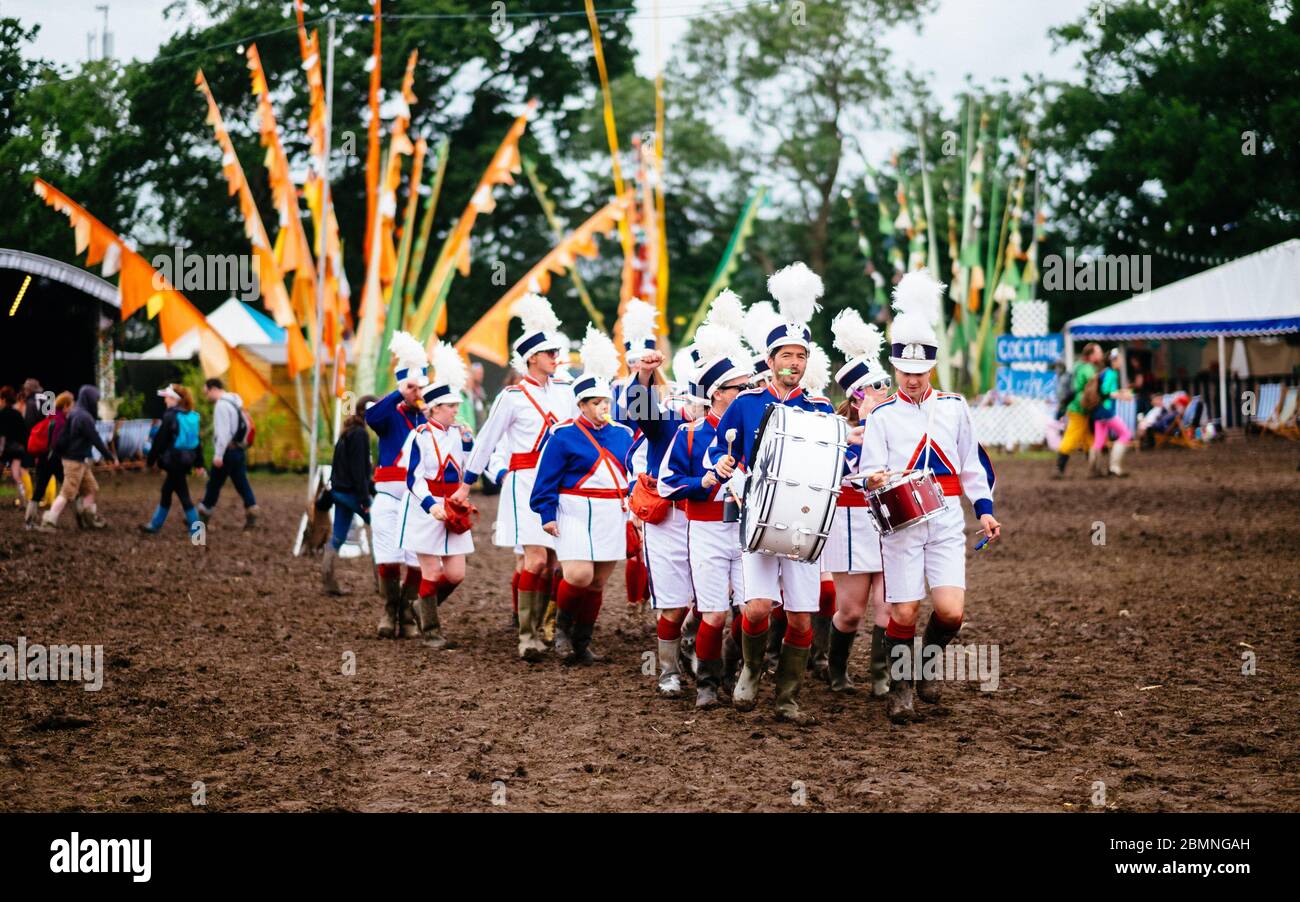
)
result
[(1078, 430)]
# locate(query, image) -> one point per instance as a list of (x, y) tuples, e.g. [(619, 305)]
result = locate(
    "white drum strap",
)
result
[(929, 428)]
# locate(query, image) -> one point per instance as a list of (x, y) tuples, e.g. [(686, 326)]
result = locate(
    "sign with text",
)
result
[(1027, 384), (1036, 349)]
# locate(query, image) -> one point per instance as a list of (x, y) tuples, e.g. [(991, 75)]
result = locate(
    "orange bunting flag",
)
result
[(140, 285), (373, 65), (274, 296), (502, 169), (489, 337)]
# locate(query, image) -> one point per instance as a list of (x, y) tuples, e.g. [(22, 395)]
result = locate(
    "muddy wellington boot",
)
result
[(426, 612), (731, 660), (817, 660), (837, 661), (936, 636), (899, 704), (1116, 461), (670, 668), (707, 679), (752, 648), (409, 627), (392, 586), (32, 516), (879, 663), (528, 640), (563, 634), (582, 655), (772, 652), (1096, 464), (789, 677), (329, 583)]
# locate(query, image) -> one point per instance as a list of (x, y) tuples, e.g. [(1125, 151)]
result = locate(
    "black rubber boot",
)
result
[(772, 654), (563, 634), (936, 636), (707, 680), (837, 661), (582, 655), (899, 704), (731, 661), (818, 662), (392, 586), (879, 662)]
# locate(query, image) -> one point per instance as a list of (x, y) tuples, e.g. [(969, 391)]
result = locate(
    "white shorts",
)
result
[(667, 559), (591, 529), (517, 523), (423, 534), (933, 553), (386, 524), (853, 545), (716, 569), (797, 585)]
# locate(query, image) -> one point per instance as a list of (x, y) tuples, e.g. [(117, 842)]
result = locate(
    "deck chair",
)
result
[(1127, 411), (1270, 399), (131, 438), (1183, 435), (1283, 422), (106, 429)]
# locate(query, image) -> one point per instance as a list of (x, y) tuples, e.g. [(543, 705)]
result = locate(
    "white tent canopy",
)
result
[(236, 322), (1254, 295)]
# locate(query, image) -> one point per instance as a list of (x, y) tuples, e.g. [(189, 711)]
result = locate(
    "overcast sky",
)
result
[(985, 39)]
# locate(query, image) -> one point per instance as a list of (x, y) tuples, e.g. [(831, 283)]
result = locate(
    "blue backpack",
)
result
[(187, 431)]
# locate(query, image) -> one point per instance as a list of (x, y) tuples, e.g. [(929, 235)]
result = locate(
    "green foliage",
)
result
[(130, 405)]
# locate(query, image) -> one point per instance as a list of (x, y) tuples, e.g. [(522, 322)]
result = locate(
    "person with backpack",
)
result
[(41, 442), (73, 448), (349, 488), (1082, 401), (175, 449), (1106, 422), (232, 434)]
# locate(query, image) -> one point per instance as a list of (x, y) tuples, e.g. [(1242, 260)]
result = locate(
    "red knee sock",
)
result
[(532, 582), (756, 629), (389, 571), (669, 629), (556, 576), (590, 609), (798, 638), (708, 642), (737, 619), (569, 598), (427, 587), (896, 630), (514, 592), (637, 581), (443, 588), (827, 601)]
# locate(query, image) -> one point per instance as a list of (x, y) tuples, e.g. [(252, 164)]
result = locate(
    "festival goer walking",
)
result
[(349, 487), (74, 449), (1105, 422), (175, 449), (230, 434)]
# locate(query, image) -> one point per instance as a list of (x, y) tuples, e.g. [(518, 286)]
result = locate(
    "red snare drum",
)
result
[(906, 500)]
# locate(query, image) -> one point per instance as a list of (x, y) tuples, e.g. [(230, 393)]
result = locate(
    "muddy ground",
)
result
[(1120, 663)]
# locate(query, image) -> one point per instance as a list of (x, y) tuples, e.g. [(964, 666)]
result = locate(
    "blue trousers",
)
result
[(345, 507), (234, 464)]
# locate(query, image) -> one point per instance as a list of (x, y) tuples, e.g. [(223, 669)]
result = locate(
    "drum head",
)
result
[(758, 490)]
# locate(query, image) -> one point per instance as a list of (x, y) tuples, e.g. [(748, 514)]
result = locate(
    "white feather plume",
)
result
[(639, 321), (535, 312), (449, 367), (918, 293), (683, 366), (714, 342), (407, 349), (760, 319), (726, 311), (796, 289), (599, 356), (817, 373), (855, 338)]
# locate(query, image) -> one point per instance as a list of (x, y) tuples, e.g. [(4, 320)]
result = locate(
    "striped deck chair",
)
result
[(131, 438), (1283, 422), (1270, 400), (1127, 411)]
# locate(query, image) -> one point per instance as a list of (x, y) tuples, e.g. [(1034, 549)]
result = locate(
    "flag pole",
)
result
[(322, 250)]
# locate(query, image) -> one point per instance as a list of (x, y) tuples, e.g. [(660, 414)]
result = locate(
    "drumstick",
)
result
[(982, 542), (731, 437)]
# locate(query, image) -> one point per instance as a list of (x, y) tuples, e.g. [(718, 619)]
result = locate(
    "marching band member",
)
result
[(923, 428), (713, 545), (852, 550), (816, 376), (769, 579), (392, 418), (580, 496), (435, 452), (519, 420), (663, 513)]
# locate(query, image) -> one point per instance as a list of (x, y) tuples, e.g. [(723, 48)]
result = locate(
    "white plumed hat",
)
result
[(913, 345), (599, 365), (541, 326), (449, 376), (639, 327), (796, 289), (412, 362), (860, 343)]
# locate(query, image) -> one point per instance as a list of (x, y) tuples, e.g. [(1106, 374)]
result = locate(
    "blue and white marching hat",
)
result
[(860, 343), (796, 289), (913, 345), (541, 327), (449, 376), (599, 365), (412, 363)]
